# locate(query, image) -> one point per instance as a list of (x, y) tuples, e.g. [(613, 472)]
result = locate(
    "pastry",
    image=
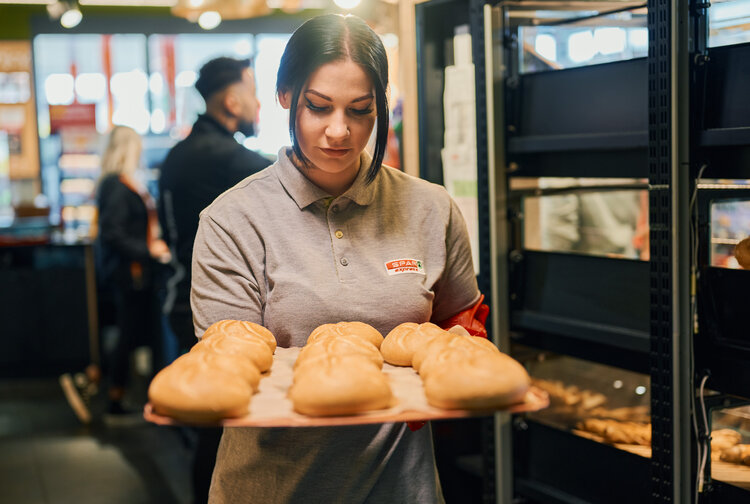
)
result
[(252, 348), (192, 391), (475, 380), (439, 343), (339, 345), (357, 329), (242, 328), (400, 344), (340, 385)]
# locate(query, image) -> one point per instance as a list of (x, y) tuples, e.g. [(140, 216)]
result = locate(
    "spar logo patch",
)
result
[(399, 266)]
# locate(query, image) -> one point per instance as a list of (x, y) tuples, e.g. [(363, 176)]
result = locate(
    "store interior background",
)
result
[(62, 89)]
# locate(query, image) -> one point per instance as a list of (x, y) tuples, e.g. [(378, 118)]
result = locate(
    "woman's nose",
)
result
[(337, 128)]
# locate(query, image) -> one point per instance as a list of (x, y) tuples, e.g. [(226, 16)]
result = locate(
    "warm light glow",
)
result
[(156, 83), (91, 87), (58, 89), (390, 40), (581, 46), (546, 46), (186, 78), (242, 48), (346, 4), (209, 20), (158, 121), (71, 18), (609, 40)]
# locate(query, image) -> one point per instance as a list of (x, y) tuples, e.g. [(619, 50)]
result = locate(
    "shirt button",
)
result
[(344, 261), (339, 234)]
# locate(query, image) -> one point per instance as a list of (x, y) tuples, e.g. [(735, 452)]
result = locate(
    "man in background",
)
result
[(197, 170)]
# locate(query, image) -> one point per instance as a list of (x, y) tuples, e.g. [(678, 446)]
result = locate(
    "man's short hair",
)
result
[(219, 73)]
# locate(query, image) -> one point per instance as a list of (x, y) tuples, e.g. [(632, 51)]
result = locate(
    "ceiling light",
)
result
[(209, 20), (71, 18), (346, 4)]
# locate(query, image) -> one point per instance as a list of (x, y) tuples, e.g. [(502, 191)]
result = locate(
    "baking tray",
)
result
[(270, 406)]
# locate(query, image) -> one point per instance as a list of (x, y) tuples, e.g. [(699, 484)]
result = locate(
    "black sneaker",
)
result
[(78, 397)]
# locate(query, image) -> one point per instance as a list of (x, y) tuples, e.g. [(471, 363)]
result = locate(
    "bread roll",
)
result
[(341, 344), (423, 351), (737, 454), (189, 390), (476, 380), (400, 344), (340, 385), (252, 348), (358, 329), (742, 253), (238, 365), (422, 361), (242, 328)]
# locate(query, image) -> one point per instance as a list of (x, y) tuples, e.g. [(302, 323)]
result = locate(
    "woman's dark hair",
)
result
[(325, 39)]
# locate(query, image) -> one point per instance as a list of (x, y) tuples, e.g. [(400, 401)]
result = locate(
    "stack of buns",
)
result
[(339, 372), (458, 371), (217, 378)]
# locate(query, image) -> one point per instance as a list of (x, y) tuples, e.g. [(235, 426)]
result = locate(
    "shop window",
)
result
[(553, 40), (728, 22), (604, 217)]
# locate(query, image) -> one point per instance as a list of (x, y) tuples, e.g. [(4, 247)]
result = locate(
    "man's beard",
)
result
[(247, 128)]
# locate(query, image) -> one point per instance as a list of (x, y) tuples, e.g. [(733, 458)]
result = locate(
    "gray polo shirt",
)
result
[(277, 250)]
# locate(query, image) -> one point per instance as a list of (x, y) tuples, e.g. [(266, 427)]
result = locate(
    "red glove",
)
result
[(472, 319)]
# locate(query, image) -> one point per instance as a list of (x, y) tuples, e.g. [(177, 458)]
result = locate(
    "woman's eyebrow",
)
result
[(328, 98)]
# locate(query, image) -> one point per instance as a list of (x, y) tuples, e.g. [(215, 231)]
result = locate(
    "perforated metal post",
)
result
[(669, 232)]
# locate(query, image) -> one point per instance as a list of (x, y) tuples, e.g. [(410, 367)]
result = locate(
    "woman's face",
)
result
[(336, 112)]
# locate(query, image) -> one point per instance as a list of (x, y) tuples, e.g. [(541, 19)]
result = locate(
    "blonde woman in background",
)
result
[(128, 249)]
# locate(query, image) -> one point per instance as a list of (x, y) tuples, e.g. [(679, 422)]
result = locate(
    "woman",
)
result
[(127, 247), (313, 239)]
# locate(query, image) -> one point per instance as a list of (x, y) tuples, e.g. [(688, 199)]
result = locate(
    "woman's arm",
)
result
[(223, 284), (114, 216)]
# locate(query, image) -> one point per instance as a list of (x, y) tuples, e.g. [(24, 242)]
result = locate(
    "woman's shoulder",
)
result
[(246, 194), (396, 181)]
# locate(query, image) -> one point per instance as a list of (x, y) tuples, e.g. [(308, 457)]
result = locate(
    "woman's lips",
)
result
[(335, 152)]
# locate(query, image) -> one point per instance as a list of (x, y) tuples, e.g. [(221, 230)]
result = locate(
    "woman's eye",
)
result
[(363, 111), (315, 108)]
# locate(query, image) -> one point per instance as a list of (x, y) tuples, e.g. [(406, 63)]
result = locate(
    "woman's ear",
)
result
[(285, 99)]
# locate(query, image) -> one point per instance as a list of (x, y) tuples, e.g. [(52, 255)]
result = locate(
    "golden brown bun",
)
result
[(476, 380), (742, 253), (341, 344), (252, 348), (358, 329), (400, 344), (197, 394), (737, 454), (340, 385), (423, 356), (235, 364), (242, 328)]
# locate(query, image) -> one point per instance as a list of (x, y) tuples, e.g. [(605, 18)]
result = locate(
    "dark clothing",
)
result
[(126, 274), (197, 170)]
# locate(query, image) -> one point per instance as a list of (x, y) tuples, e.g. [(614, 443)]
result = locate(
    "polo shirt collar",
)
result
[(305, 193)]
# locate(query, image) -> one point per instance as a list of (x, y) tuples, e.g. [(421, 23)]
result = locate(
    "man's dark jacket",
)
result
[(197, 170)]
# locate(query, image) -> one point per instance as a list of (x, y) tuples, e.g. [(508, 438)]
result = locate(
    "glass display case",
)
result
[(730, 446), (591, 400)]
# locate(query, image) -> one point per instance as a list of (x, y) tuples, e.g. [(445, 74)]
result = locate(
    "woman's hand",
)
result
[(160, 251)]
